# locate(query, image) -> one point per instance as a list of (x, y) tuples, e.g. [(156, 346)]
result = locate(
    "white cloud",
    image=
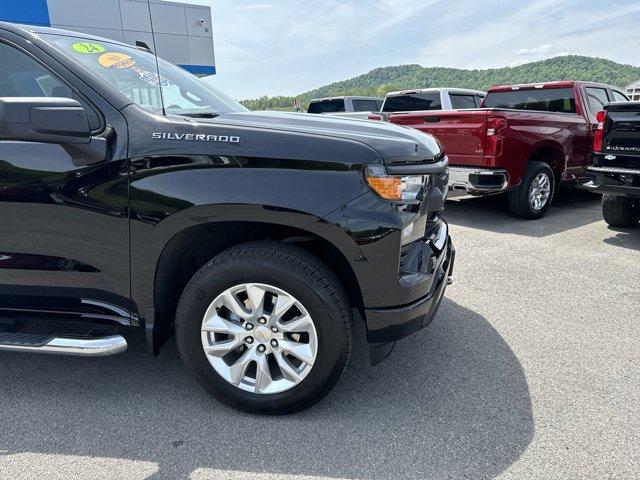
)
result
[(541, 50)]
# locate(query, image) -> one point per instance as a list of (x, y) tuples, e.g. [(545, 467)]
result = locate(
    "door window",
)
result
[(23, 76), (596, 100), (619, 97)]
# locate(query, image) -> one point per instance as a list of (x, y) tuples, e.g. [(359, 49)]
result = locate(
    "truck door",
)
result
[(64, 246)]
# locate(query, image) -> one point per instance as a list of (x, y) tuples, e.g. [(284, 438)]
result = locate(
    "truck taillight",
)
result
[(493, 142), (375, 116), (598, 137)]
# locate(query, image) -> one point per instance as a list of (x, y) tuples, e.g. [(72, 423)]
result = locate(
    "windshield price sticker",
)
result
[(116, 60), (151, 78), (87, 47)]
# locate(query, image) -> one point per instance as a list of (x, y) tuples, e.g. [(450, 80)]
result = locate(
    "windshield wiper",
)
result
[(200, 115)]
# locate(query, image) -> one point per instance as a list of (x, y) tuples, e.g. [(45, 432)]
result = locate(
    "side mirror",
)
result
[(44, 119)]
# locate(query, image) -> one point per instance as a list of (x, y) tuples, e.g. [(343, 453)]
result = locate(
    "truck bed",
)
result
[(504, 138), (461, 132)]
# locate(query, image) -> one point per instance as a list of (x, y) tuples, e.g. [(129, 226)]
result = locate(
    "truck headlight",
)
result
[(396, 188)]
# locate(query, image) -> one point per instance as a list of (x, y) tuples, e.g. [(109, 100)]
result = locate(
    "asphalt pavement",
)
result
[(529, 371)]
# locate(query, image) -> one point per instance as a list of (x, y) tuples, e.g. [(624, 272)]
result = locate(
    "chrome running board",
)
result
[(75, 346)]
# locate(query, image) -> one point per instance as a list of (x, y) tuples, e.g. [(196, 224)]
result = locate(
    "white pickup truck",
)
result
[(432, 99), (350, 107)]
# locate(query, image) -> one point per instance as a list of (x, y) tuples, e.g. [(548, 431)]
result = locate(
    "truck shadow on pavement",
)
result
[(451, 401), (571, 209), (625, 238)]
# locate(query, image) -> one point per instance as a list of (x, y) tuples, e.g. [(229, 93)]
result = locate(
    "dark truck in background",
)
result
[(133, 195), (525, 141), (616, 167)]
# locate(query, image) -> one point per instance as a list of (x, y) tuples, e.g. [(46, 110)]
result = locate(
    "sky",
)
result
[(286, 47)]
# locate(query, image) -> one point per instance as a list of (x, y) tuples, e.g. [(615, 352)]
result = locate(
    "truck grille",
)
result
[(433, 203), (404, 255)]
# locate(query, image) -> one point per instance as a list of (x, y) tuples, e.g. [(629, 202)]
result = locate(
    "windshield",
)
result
[(134, 74)]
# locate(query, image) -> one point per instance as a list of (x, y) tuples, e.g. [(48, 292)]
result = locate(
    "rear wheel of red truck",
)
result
[(533, 197), (265, 327), (621, 211)]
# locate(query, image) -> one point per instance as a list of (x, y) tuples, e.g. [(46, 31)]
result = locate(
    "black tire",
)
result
[(291, 269), (519, 198), (620, 211)]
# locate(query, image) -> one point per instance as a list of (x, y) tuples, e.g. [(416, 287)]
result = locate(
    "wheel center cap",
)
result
[(262, 334)]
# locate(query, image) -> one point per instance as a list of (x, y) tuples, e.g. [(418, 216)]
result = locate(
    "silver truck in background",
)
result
[(348, 106), (432, 99)]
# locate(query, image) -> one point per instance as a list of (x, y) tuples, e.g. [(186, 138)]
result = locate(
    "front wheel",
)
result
[(265, 327), (533, 197), (620, 211)]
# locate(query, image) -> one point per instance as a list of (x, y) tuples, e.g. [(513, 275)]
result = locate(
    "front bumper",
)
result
[(389, 324), (398, 283), (477, 181), (614, 180)]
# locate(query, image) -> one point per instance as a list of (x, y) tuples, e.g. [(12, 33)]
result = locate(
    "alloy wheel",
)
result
[(540, 191), (259, 338)]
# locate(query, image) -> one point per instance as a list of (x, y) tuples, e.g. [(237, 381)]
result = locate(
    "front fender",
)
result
[(167, 200)]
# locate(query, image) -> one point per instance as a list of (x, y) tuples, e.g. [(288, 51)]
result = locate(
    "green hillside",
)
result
[(382, 80)]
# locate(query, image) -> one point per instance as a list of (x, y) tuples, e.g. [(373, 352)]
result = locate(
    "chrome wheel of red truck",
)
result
[(540, 191), (532, 198)]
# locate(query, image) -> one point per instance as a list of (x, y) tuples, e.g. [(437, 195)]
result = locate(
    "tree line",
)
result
[(383, 80)]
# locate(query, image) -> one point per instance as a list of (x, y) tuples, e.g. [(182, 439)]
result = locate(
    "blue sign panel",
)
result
[(33, 12), (200, 69)]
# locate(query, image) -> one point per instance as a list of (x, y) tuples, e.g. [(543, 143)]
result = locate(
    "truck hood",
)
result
[(394, 143)]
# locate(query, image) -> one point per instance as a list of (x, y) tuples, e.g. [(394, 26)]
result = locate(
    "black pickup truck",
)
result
[(616, 163), (134, 195)]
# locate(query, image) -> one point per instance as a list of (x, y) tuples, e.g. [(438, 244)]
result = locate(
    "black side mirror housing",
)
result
[(44, 119)]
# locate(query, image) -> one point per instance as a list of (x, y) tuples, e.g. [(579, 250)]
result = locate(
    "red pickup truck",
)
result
[(525, 140)]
